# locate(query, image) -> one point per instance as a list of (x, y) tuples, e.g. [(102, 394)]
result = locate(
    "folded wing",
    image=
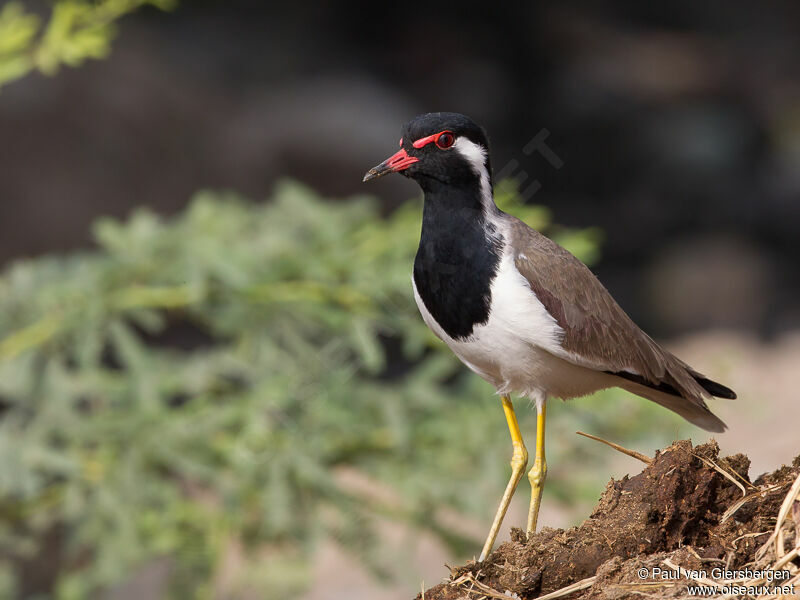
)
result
[(599, 335)]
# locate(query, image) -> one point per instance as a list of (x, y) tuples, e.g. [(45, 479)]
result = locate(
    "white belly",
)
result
[(515, 350)]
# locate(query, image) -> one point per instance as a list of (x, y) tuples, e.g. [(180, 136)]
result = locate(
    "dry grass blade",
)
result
[(749, 535), (632, 453), (782, 513), (688, 574), (482, 588), (646, 595), (575, 587), (645, 584), (788, 503), (796, 519), (722, 472), (742, 501), (786, 559)]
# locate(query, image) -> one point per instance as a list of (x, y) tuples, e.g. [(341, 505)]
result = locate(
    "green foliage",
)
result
[(76, 31), (209, 382)]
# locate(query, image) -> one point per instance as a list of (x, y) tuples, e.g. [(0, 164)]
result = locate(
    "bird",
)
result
[(518, 309)]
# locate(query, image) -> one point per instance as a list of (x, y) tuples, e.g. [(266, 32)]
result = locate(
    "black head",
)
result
[(440, 148)]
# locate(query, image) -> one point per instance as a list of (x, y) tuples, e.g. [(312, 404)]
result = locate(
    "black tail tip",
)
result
[(716, 389)]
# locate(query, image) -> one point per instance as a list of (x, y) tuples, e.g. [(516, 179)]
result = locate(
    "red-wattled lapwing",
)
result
[(517, 308)]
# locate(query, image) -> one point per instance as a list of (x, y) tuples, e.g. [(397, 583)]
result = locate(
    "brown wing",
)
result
[(597, 333)]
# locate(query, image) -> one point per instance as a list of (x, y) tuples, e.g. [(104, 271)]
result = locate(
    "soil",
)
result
[(672, 513)]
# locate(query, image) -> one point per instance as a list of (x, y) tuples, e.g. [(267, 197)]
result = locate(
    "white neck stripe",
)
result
[(475, 155)]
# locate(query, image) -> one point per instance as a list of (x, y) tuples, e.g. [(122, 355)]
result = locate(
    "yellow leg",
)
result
[(519, 460), (538, 472)]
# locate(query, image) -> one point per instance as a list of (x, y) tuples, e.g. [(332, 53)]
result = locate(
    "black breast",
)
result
[(455, 263)]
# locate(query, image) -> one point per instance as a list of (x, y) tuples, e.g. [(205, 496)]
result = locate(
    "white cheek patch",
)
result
[(475, 155)]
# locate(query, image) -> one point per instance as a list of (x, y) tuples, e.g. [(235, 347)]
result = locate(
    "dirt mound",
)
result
[(689, 509)]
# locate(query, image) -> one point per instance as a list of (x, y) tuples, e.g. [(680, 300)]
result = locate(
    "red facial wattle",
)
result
[(399, 161), (443, 139)]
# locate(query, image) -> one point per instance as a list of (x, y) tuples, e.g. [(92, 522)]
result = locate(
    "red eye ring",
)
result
[(444, 140)]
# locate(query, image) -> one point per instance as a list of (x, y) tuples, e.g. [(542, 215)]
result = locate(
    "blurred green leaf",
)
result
[(76, 31)]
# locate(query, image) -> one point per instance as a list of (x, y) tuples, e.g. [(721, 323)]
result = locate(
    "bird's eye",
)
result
[(445, 140)]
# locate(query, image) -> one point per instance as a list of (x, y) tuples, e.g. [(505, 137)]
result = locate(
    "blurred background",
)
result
[(213, 379)]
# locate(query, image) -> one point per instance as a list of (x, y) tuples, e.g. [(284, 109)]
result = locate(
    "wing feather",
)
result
[(598, 334)]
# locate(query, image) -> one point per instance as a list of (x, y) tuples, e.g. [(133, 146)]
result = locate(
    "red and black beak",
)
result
[(399, 161)]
